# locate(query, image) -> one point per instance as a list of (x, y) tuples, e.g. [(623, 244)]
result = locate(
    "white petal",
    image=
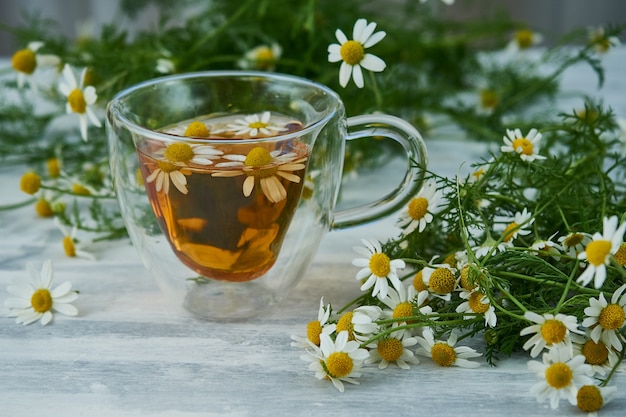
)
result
[(372, 63), (374, 39), (357, 76), (345, 71), (67, 309)]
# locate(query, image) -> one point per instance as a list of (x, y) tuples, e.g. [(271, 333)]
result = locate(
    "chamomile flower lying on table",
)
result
[(37, 300)]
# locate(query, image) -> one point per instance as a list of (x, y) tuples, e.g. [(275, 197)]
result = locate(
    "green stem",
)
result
[(18, 205)]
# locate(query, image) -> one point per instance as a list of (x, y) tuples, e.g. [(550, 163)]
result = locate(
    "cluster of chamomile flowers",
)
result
[(397, 322)]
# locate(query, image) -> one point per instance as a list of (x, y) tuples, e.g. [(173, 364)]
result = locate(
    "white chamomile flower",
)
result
[(420, 209), (445, 353), (525, 146), (338, 361), (80, 99), (597, 354), (518, 225), (262, 57), (352, 52), (36, 300), (548, 247), (523, 40), (561, 375), (598, 252), (440, 280), (606, 319), (574, 243), (315, 328), (71, 247), (393, 349), (27, 60), (183, 154), (360, 322), (602, 43), (549, 330), (377, 269), (490, 247), (256, 125), (165, 66), (591, 398), (266, 169), (477, 303)]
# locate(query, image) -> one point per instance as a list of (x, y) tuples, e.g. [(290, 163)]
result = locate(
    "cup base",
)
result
[(228, 301)]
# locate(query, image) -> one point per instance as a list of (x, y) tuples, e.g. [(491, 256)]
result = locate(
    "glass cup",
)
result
[(227, 181)]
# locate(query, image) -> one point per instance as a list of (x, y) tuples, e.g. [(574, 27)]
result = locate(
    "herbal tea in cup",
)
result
[(228, 180)]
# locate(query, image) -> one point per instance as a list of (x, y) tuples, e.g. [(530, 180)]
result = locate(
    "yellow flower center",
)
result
[(525, 145), (573, 240), (488, 99), (345, 324), (475, 303), (80, 189), (418, 207), (559, 375), (442, 281), (77, 102), (467, 280), (597, 251), (257, 125), (509, 231), (443, 354), (30, 183), (69, 247), (43, 209), (390, 349), (620, 255), (553, 331), (595, 353), (24, 61), (313, 331), (178, 152), (197, 129), (404, 309), (380, 265), (167, 166), (41, 300), (352, 52), (338, 364), (264, 57), (478, 173), (589, 398), (450, 260), (524, 38), (54, 167), (612, 317), (258, 157), (418, 282)]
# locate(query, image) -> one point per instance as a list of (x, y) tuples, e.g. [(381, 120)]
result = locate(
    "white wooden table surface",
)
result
[(131, 353)]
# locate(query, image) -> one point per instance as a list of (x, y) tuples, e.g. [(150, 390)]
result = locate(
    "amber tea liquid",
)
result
[(214, 228)]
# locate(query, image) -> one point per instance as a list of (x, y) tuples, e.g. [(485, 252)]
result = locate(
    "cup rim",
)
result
[(113, 111)]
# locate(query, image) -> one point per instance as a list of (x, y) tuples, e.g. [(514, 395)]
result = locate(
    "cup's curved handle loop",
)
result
[(381, 125)]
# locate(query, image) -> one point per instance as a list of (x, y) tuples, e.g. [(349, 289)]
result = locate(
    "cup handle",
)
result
[(391, 127)]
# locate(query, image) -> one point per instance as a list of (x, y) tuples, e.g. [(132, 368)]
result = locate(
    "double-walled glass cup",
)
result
[(228, 180)]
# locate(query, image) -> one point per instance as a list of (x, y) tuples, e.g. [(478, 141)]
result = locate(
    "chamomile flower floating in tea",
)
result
[(256, 125), (607, 319), (352, 52), (36, 300), (265, 168), (80, 98)]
